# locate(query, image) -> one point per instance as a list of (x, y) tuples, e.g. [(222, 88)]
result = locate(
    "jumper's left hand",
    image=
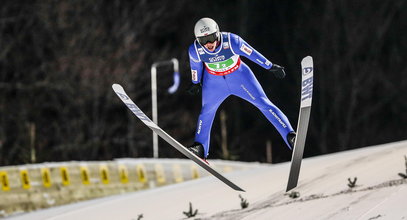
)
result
[(278, 71)]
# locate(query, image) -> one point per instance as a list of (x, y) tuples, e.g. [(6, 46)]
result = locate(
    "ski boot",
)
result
[(198, 149), (291, 139)]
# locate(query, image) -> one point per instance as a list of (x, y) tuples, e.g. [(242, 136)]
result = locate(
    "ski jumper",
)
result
[(222, 73)]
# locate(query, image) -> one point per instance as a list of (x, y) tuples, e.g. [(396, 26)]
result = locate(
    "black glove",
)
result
[(278, 71), (194, 89)]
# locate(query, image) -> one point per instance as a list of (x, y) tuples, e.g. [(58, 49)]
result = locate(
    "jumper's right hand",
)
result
[(194, 89)]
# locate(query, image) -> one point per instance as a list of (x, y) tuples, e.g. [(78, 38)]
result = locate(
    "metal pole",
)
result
[(174, 61), (176, 65), (154, 107), (269, 152)]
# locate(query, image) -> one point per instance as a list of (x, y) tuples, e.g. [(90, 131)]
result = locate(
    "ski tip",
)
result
[(117, 87), (307, 59)]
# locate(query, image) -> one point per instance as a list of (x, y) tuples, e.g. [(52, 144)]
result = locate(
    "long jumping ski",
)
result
[(307, 66), (118, 89)]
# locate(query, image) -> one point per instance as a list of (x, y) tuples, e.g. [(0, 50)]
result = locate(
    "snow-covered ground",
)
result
[(380, 193)]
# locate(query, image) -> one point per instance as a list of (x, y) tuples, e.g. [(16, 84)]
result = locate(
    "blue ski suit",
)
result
[(222, 73)]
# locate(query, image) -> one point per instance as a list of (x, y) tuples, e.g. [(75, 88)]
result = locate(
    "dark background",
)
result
[(58, 60)]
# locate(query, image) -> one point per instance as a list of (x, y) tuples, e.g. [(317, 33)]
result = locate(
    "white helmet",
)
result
[(206, 30)]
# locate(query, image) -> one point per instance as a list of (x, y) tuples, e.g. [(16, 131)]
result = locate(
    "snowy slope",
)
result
[(380, 193)]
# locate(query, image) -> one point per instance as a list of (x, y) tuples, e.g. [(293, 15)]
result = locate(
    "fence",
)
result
[(30, 187)]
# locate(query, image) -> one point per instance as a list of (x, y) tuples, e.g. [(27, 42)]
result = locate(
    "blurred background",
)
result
[(58, 60)]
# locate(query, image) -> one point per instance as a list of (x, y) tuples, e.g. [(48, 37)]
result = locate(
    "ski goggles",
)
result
[(208, 39)]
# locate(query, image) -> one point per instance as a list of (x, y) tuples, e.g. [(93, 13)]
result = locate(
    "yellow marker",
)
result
[(124, 175), (195, 173), (141, 173), (177, 173), (25, 179), (64, 176), (159, 172), (46, 177), (85, 175), (104, 174), (4, 181)]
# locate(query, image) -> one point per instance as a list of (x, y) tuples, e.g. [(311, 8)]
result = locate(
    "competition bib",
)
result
[(224, 67)]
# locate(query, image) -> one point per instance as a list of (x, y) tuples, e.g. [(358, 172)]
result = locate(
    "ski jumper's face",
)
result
[(211, 46)]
